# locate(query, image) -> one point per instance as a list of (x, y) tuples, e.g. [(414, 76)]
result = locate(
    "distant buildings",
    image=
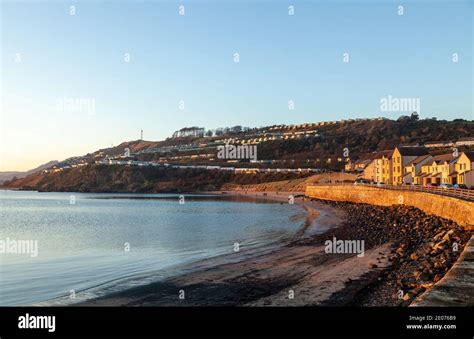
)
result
[(461, 142), (433, 144), (465, 142)]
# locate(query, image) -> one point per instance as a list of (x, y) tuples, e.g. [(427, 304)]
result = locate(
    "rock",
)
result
[(417, 290)]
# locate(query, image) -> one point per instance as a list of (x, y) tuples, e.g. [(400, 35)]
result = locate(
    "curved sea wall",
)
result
[(456, 288), (460, 211)]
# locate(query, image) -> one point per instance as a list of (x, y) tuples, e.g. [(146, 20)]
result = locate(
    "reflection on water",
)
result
[(99, 242)]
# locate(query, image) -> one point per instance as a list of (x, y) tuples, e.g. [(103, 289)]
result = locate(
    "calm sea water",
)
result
[(106, 242)]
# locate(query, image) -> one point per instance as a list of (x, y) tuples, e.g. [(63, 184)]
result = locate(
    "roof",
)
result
[(437, 142), (413, 144), (444, 157), (412, 151), (467, 139), (453, 174), (470, 155), (363, 162), (386, 153), (417, 160)]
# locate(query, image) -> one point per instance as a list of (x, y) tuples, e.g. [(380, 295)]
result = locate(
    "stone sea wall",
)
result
[(460, 211)]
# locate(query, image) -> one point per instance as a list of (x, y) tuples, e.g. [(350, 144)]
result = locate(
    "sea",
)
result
[(64, 248)]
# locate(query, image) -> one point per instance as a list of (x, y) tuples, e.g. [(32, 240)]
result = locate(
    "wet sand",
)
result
[(297, 273)]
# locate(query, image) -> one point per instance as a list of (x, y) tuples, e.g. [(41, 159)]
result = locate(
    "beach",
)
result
[(258, 280), (302, 273), (298, 273)]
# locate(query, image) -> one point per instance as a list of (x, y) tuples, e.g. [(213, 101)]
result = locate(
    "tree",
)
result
[(403, 118), (237, 128)]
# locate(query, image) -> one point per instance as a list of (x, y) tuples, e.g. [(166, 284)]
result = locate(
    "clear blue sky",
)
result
[(190, 58)]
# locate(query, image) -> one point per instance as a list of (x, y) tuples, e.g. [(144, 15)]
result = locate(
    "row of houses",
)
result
[(272, 136), (415, 165), (62, 166), (322, 123), (126, 162), (461, 142), (207, 167)]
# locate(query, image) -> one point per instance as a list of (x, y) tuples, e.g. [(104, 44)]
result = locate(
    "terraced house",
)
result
[(414, 166), (401, 157), (382, 167), (413, 170), (439, 170), (464, 168)]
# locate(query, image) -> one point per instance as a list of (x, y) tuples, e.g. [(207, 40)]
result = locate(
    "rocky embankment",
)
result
[(425, 248)]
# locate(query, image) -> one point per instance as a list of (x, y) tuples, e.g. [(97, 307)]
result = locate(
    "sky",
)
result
[(74, 80)]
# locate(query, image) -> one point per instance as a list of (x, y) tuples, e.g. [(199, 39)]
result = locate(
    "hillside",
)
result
[(358, 136), (4, 176), (96, 178), (363, 137), (319, 146)]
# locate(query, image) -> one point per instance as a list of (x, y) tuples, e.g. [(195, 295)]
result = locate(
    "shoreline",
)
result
[(302, 223), (265, 279), (398, 257), (405, 251)]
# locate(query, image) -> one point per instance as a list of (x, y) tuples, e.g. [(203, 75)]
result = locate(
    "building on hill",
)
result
[(437, 144), (400, 158), (465, 142), (413, 144)]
